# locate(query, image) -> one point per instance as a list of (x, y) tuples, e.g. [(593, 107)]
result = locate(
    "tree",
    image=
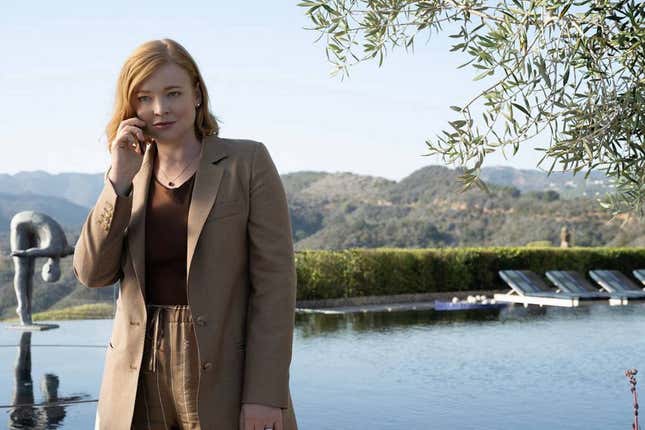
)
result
[(574, 67)]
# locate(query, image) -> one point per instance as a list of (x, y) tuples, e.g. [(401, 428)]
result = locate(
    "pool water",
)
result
[(528, 368)]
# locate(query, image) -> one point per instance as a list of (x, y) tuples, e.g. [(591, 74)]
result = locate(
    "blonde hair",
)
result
[(142, 63)]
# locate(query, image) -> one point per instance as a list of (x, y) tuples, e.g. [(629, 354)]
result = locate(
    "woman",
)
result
[(196, 228)]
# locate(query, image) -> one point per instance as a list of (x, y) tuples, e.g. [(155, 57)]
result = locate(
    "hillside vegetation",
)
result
[(335, 211)]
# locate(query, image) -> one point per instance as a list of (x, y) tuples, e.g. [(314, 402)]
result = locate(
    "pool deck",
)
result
[(391, 303)]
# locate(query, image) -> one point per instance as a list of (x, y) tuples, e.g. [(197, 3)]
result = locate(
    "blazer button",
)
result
[(134, 322), (206, 365), (200, 320), (133, 366)]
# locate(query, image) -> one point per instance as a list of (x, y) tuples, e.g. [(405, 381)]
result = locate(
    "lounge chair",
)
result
[(528, 288), (526, 282), (617, 283), (640, 275), (575, 283)]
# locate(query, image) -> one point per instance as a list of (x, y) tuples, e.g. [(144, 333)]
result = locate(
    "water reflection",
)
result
[(520, 312), (26, 414), (318, 324), (313, 324)]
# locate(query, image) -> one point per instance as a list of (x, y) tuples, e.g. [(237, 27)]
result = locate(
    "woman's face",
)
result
[(167, 96)]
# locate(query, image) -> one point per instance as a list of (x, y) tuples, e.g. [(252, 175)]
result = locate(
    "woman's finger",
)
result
[(128, 142), (135, 131), (132, 121)]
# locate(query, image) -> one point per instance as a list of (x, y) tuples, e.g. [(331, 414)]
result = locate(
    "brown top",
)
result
[(166, 242)]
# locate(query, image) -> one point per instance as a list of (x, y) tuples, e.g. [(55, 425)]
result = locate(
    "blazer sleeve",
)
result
[(271, 311), (97, 254)]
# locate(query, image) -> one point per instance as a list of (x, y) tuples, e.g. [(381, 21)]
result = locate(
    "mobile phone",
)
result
[(142, 147), (147, 139)]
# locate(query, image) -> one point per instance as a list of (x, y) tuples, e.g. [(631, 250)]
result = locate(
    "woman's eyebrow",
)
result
[(167, 88)]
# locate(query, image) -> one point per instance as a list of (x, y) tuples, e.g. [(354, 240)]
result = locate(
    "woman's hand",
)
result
[(255, 417), (126, 152)]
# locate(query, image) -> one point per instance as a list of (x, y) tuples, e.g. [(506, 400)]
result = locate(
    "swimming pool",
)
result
[(529, 368)]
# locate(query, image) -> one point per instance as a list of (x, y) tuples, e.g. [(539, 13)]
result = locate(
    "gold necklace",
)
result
[(171, 181)]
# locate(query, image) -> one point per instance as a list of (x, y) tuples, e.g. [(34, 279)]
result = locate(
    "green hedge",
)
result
[(385, 271)]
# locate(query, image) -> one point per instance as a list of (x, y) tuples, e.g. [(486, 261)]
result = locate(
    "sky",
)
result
[(267, 77)]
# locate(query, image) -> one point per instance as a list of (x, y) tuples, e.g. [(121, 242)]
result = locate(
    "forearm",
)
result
[(122, 187), (97, 255)]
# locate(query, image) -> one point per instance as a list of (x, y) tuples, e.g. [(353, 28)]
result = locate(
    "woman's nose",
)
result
[(160, 108)]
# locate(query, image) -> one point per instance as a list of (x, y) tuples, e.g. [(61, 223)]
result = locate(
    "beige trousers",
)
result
[(167, 390)]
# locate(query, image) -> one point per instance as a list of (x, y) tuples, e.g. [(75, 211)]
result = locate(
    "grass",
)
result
[(80, 312)]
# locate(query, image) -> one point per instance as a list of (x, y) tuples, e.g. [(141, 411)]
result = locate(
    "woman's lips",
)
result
[(164, 125)]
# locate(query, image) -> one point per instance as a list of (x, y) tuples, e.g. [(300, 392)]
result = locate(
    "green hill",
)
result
[(341, 210)]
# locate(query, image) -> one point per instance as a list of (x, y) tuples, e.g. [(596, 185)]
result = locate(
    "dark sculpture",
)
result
[(34, 234), (25, 413)]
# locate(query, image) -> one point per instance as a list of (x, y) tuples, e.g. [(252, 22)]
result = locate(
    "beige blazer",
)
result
[(241, 281)]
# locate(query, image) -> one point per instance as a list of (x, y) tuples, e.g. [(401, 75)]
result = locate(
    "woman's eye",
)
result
[(174, 92), (141, 99)]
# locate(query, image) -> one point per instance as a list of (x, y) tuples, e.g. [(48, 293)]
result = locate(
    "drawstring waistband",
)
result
[(175, 313), (157, 329)]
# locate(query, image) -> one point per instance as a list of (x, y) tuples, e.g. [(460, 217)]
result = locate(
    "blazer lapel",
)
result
[(207, 182), (137, 226)]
